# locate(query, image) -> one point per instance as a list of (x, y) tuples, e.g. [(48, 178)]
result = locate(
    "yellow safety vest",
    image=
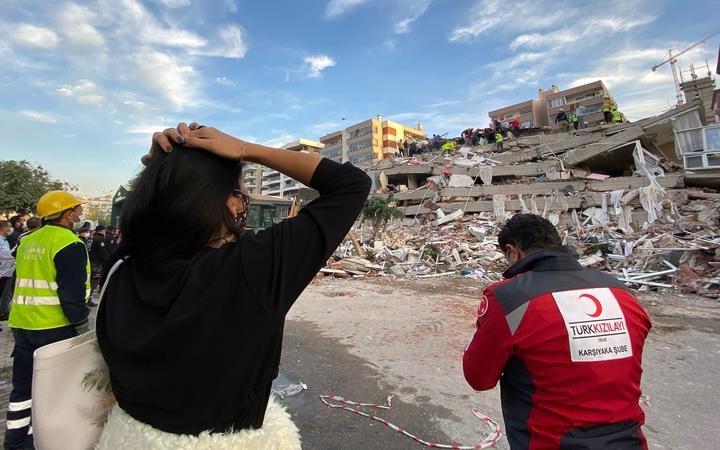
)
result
[(36, 304), (498, 137), (616, 116)]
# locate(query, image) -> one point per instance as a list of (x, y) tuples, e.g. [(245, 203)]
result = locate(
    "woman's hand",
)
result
[(216, 142), (163, 141)]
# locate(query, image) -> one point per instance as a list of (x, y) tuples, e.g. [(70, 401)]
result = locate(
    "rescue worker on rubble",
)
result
[(192, 320), (49, 303), (566, 344), (574, 120), (616, 116), (562, 119), (498, 142), (608, 106)]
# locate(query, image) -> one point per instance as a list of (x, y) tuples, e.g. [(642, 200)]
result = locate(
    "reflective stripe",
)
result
[(37, 284), (20, 423), (30, 430), (19, 406), (30, 300)]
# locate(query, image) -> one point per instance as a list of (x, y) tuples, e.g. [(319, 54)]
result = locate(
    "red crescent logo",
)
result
[(598, 305), (484, 305)]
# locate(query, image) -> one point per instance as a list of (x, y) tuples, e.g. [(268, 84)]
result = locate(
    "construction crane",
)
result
[(672, 59)]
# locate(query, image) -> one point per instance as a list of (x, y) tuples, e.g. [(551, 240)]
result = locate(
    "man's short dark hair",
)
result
[(33, 223), (14, 220), (4, 223), (529, 232)]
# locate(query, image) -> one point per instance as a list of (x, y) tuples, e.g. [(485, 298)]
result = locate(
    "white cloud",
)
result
[(32, 36), (38, 116), (403, 26), (281, 139), (174, 38), (85, 92), (314, 65), (167, 77), (225, 81), (590, 28), (135, 104), (522, 15), (231, 44), (77, 26), (409, 11), (145, 129), (175, 3), (339, 7), (323, 128)]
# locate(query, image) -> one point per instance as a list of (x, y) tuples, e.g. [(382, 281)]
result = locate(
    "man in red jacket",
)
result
[(566, 344)]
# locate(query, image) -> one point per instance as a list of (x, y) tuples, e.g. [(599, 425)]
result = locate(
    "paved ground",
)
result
[(365, 339)]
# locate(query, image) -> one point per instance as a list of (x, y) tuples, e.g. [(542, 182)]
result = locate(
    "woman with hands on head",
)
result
[(191, 323)]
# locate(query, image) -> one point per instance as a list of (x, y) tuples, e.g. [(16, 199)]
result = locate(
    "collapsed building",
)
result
[(637, 199)]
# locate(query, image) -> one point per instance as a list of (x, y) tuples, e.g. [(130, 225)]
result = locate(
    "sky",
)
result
[(83, 84)]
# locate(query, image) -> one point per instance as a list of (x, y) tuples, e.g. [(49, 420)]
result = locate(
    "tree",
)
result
[(22, 184), (379, 211)]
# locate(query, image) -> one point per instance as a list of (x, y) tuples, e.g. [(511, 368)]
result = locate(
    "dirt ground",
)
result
[(368, 338)]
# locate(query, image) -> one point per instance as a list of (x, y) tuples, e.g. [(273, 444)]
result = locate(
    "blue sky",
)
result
[(85, 83)]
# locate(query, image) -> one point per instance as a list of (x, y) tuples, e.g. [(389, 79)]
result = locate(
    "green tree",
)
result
[(22, 184), (379, 211)]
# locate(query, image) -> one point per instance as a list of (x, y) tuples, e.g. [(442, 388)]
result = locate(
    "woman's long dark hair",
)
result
[(178, 205)]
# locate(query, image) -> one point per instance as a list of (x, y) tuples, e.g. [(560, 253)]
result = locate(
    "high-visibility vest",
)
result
[(616, 116), (449, 146), (607, 106), (36, 304), (574, 118), (498, 137)]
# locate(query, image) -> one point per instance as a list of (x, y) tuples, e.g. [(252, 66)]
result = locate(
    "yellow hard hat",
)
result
[(55, 202)]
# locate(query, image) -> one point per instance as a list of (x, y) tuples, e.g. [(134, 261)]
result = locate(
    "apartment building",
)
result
[(252, 177), (586, 101), (372, 139), (531, 113), (263, 180), (278, 184)]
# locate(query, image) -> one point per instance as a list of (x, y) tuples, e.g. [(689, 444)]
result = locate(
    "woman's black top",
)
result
[(195, 345)]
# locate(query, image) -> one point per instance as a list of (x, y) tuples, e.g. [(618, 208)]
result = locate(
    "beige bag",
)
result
[(71, 392)]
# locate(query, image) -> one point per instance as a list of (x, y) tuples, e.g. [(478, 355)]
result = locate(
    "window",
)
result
[(583, 110), (712, 139), (525, 124), (587, 96), (355, 146), (556, 102), (360, 132)]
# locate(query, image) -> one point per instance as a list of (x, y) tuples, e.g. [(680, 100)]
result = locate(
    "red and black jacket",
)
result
[(566, 344)]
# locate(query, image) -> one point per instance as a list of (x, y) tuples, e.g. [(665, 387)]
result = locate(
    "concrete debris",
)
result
[(617, 194)]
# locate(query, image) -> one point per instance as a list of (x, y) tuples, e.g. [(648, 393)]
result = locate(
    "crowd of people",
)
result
[(190, 322)]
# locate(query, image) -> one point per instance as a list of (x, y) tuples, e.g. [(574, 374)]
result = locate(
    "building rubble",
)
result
[(617, 193)]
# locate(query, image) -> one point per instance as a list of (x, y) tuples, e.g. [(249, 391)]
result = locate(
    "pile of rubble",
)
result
[(616, 193)]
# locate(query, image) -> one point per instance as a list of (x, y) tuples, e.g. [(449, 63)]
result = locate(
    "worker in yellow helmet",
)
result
[(50, 302)]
